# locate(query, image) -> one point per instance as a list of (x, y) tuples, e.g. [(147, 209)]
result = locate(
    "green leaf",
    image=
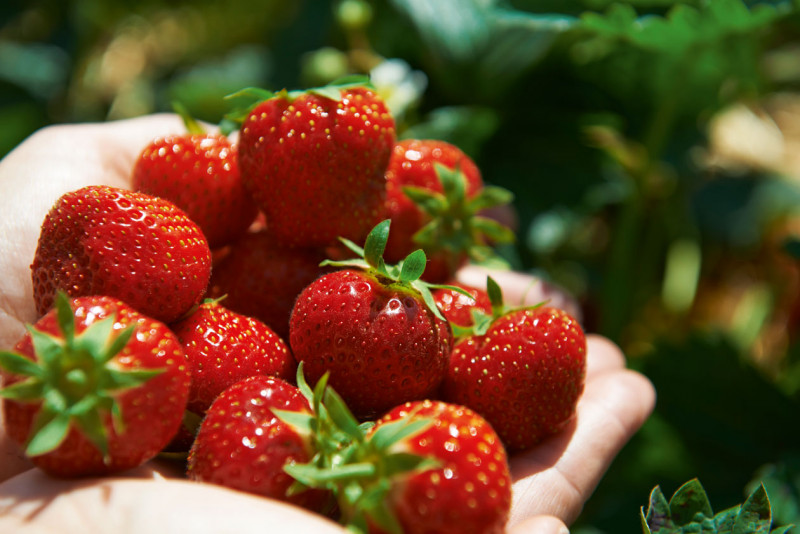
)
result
[(90, 423), (413, 266), (755, 516), (66, 319), (490, 197), (493, 229), (20, 365), (95, 339), (192, 126), (431, 202), (404, 462), (29, 390), (688, 501), (427, 298), (495, 296), (120, 341), (115, 379), (391, 433), (453, 182), (658, 511), (303, 422), (48, 433), (317, 477), (342, 416), (49, 349), (375, 243)]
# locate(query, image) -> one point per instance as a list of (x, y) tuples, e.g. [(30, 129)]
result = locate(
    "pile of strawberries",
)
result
[(282, 309)]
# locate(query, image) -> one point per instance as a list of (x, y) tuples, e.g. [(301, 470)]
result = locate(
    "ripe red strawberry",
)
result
[(94, 387), (435, 467), (102, 240), (457, 307), (241, 443), (262, 279), (199, 173), (315, 161), (523, 370), (374, 328), (224, 347), (434, 196)]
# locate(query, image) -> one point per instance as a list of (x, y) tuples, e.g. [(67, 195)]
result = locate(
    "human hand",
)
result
[(551, 481)]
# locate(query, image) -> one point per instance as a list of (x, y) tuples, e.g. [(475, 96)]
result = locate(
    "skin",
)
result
[(551, 481)]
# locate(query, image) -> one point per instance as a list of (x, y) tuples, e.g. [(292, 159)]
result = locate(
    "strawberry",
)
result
[(374, 328), (425, 466), (102, 240), (434, 196), (224, 347), (198, 172), (94, 387), (457, 307), (262, 279), (522, 369), (315, 161), (242, 444)]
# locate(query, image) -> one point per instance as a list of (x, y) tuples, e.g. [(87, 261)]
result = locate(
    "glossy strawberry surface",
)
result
[(525, 375), (102, 240), (200, 174), (151, 412), (242, 445), (458, 307), (380, 343), (470, 489), (224, 347), (315, 165)]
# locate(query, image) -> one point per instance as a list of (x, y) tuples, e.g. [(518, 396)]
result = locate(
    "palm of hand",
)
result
[(551, 481)]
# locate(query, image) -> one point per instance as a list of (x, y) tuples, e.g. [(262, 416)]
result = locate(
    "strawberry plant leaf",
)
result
[(431, 202), (658, 513), (413, 266), (303, 422), (192, 126), (119, 341), (46, 347), (115, 379), (375, 243), (403, 462), (49, 431), (20, 365), (390, 433), (493, 229), (66, 321), (689, 501), (29, 390), (94, 340), (489, 197), (755, 516), (89, 422), (341, 415), (453, 183)]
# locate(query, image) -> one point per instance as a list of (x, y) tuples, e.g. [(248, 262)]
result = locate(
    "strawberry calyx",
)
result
[(405, 274), (352, 461), (248, 98), (455, 222), (74, 379), (192, 125), (481, 321)]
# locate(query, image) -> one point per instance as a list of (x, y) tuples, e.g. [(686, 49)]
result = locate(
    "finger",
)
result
[(602, 356), (559, 475), (543, 524), (520, 289), (143, 503)]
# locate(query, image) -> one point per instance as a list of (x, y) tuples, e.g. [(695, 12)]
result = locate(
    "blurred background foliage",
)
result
[(653, 147)]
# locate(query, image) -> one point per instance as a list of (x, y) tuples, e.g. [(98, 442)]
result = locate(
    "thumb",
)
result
[(144, 503), (540, 524)]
